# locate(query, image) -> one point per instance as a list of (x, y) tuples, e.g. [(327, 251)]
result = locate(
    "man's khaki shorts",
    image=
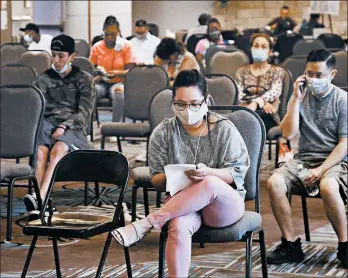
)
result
[(289, 172)]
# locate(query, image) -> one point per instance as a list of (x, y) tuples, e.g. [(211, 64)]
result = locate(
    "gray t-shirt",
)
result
[(323, 121), (225, 150)]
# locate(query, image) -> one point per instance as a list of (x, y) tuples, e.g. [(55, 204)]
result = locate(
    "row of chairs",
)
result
[(82, 166)]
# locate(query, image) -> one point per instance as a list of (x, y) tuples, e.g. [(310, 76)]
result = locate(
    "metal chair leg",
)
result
[(305, 218), (119, 144), (201, 245), (9, 211), (56, 256), (269, 149), (85, 201), (104, 254), (97, 116), (263, 254), (162, 250), (128, 262), (146, 201), (30, 254), (102, 143), (96, 189), (134, 202), (277, 154), (249, 251), (158, 199)]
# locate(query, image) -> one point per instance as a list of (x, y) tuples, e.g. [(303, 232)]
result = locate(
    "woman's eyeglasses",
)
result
[(193, 107)]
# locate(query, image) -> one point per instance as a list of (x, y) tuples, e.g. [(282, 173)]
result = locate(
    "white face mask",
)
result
[(28, 38), (318, 85), (63, 70), (190, 117), (259, 55)]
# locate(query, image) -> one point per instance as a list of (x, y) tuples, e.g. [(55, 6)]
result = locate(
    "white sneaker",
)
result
[(112, 139)]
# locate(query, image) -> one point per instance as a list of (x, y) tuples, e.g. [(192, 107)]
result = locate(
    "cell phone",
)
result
[(302, 87)]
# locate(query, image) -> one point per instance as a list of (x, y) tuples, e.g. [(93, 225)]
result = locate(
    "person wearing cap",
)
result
[(201, 28), (36, 40), (144, 43), (113, 57), (70, 96)]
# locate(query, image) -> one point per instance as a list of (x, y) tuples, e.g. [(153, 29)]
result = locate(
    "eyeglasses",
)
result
[(193, 107)]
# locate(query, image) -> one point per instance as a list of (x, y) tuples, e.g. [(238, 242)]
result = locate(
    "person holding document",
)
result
[(214, 158)]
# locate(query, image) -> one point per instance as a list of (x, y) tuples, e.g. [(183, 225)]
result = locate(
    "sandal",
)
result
[(133, 232)]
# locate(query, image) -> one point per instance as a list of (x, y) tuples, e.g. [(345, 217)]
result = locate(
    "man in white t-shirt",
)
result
[(144, 43), (201, 28), (36, 40)]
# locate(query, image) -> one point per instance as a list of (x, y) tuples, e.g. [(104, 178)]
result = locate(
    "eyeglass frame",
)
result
[(188, 105)]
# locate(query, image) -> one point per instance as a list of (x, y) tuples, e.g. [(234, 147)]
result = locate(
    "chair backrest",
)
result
[(243, 42), (141, 84), (179, 35), (82, 48), (21, 110), (93, 166), (285, 43), (222, 88), (340, 79), (296, 65), (84, 64), (17, 74), (161, 107), (332, 40), (39, 60), (153, 28), (211, 51), (229, 34), (286, 93), (10, 52), (252, 129), (303, 47), (228, 63), (250, 31), (193, 40)]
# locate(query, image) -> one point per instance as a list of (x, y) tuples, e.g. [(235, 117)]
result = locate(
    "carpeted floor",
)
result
[(79, 258)]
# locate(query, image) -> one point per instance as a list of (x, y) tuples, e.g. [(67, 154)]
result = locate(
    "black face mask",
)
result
[(110, 44), (214, 35)]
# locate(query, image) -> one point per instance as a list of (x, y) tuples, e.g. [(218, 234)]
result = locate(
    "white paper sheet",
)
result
[(176, 178)]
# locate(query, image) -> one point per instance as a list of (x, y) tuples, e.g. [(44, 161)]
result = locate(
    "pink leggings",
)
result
[(212, 201)]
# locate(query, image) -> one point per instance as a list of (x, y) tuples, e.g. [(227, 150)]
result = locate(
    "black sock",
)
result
[(343, 245)]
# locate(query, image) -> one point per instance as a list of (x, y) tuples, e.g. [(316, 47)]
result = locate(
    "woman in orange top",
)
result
[(113, 57)]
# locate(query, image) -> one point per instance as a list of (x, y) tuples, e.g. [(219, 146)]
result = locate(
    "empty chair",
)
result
[(285, 43), (303, 47), (340, 79), (21, 111), (228, 63), (141, 84), (296, 65), (39, 60), (82, 48), (223, 89), (10, 52), (84, 64), (192, 42), (211, 51), (332, 41), (17, 74)]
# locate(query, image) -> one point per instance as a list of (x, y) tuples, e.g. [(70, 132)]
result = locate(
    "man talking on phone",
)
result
[(318, 110)]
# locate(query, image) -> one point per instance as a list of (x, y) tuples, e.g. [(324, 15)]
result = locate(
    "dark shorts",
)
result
[(73, 138), (288, 171)]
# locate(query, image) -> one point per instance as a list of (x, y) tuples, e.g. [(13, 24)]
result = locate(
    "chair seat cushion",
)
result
[(250, 221), (12, 170), (125, 129), (104, 102), (68, 224), (141, 176), (274, 133)]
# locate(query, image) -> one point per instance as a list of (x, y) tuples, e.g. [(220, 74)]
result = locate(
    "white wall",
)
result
[(173, 15), (18, 10), (76, 17)]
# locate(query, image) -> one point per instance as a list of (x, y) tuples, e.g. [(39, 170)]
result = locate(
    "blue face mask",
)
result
[(259, 55), (63, 70)]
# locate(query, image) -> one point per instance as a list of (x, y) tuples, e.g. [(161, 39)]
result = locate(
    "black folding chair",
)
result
[(79, 166)]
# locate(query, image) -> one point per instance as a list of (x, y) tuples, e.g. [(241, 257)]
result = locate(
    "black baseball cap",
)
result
[(30, 27), (63, 43), (141, 23)]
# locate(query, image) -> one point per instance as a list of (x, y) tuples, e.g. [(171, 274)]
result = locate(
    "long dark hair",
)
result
[(111, 20), (168, 47), (192, 77)]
